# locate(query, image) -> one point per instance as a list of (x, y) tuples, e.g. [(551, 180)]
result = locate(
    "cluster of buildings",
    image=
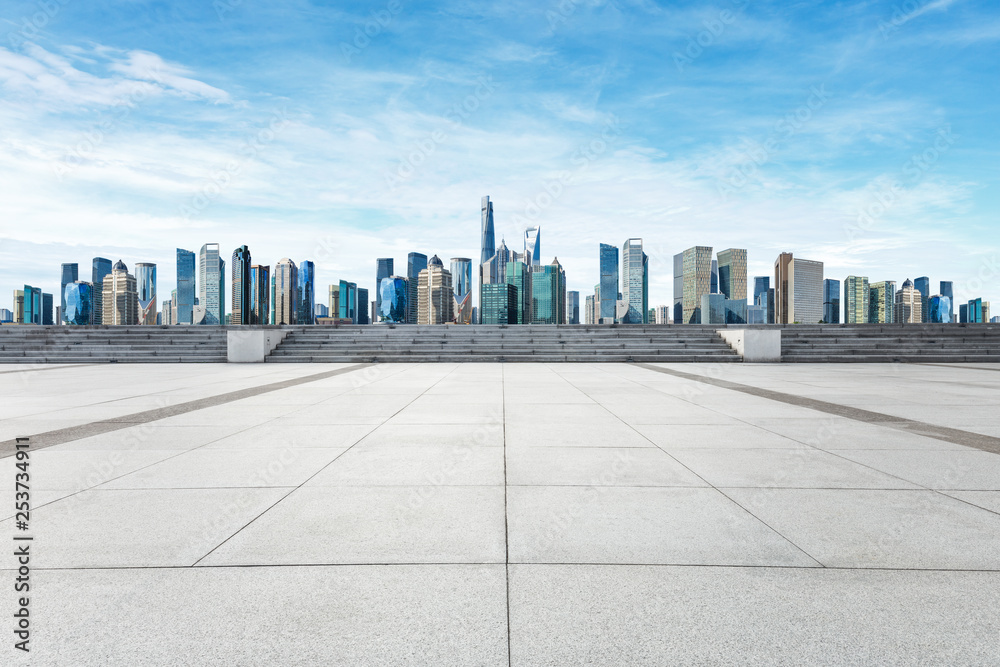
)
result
[(513, 288)]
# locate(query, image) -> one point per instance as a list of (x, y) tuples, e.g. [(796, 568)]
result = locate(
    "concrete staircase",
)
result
[(910, 343), (102, 344), (535, 343)]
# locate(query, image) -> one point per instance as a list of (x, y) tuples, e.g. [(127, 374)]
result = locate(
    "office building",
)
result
[(978, 313), (145, 280), (761, 297), (963, 313), (735, 310), (322, 310), (184, 303), (284, 292), (948, 290), (70, 274), (363, 306), (435, 294), (79, 299), (461, 284), (415, 263), (393, 296), (696, 280), (662, 315), (635, 283), (211, 285), (488, 237), (518, 274), (856, 295), (881, 297), (573, 307), (240, 271), (499, 304), (908, 304), (306, 293), (260, 294), (47, 309), (533, 246), (713, 308), (732, 267), (756, 314), (6, 316), (383, 269), (678, 304), (609, 283), (588, 309), (347, 301), (940, 309), (121, 298), (99, 269), (831, 301), (798, 285), (923, 285), (548, 294), (715, 277)]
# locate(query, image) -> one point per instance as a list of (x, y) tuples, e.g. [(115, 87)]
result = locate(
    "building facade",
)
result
[(284, 290), (79, 299), (923, 285), (240, 271), (184, 303), (548, 294), (697, 282), (635, 282), (435, 294), (573, 307), (856, 295), (70, 274), (533, 246), (120, 299), (306, 293), (392, 302), (798, 285), (260, 294), (940, 309), (831, 301), (608, 283), (461, 284), (145, 280), (415, 263), (908, 304), (212, 284), (499, 304), (733, 273), (881, 300)]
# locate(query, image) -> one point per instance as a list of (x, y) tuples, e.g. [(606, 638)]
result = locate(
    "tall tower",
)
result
[(383, 269), (415, 263), (306, 295), (241, 286), (533, 246), (212, 283), (284, 284), (856, 295), (185, 287), (70, 274), (461, 285), (435, 294), (145, 279), (488, 243), (121, 302), (635, 282), (609, 283), (697, 281), (733, 273), (100, 268), (923, 285), (260, 292)]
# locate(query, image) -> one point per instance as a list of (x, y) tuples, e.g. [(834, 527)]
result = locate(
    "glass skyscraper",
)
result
[(548, 294), (609, 283), (881, 299), (697, 281), (798, 290), (940, 309), (284, 291), (47, 309), (363, 306), (678, 314), (100, 268), (70, 274), (519, 275), (573, 307), (488, 240), (461, 285), (415, 263), (533, 246), (79, 299), (762, 299), (383, 269), (713, 308), (831, 301), (306, 293), (635, 282), (948, 290), (856, 295), (732, 265), (499, 303), (347, 302), (923, 285), (241, 285), (212, 284), (260, 293), (145, 281), (393, 297), (185, 287)]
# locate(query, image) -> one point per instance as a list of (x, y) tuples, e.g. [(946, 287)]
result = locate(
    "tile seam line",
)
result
[(60, 436), (913, 427)]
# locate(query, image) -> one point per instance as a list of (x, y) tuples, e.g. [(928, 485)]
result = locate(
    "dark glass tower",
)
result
[(923, 285), (831, 301), (79, 303), (307, 293), (609, 283), (488, 236), (70, 274), (185, 287), (415, 263), (241, 286), (383, 269), (100, 268)]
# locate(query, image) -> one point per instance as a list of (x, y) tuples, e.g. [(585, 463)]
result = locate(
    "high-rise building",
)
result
[(678, 312), (881, 298), (518, 274), (573, 307), (697, 281), (145, 280), (334, 300), (435, 294), (856, 296), (588, 309), (733, 273), (923, 285), (167, 312), (184, 303), (19, 316), (392, 299), (212, 284), (79, 299), (383, 269), (70, 274), (662, 315), (347, 301), (533, 246), (260, 294), (979, 311), (715, 277), (415, 263), (609, 283), (461, 284), (47, 309), (947, 289), (6, 316), (32, 305), (736, 310), (761, 294), (322, 310), (306, 293), (488, 241), (548, 294), (908, 304), (756, 314), (100, 268), (831, 301), (241, 285), (798, 290), (284, 291), (963, 313), (363, 306), (713, 308), (499, 303), (121, 299), (635, 283), (940, 309)]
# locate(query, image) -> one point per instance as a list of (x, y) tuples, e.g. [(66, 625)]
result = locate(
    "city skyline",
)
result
[(824, 188)]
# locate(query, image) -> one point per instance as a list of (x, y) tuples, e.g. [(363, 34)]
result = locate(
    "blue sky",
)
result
[(862, 134)]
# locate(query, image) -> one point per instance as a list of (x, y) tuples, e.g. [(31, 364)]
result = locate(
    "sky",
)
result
[(862, 134)]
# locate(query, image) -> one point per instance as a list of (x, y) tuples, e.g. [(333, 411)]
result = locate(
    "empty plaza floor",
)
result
[(495, 514)]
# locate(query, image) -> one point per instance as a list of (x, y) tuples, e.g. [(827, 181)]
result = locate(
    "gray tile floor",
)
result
[(534, 514)]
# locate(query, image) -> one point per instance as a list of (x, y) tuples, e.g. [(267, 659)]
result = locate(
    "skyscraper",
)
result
[(435, 294), (185, 287), (548, 294), (260, 293), (798, 290), (393, 297), (856, 296), (881, 298), (947, 289), (979, 311), (908, 304), (285, 287), (588, 309), (499, 303), (635, 282), (533, 246), (923, 285), (47, 309), (415, 263), (678, 312), (713, 308), (241, 285), (70, 274), (121, 299), (461, 284), (488, 242), (347, 301), (761, 294), (573, 307), (100, 268), (383, 269), (940, 307), (79, 298), (733, 273), (609, 283), (697, 281), (831, 301), (306, 293), (363, 306), (715, 277), (518, 274), (212, 284), (145, 279)]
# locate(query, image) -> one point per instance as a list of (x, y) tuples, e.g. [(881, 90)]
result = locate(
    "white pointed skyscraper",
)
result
[(488, 235), (533, 245)]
